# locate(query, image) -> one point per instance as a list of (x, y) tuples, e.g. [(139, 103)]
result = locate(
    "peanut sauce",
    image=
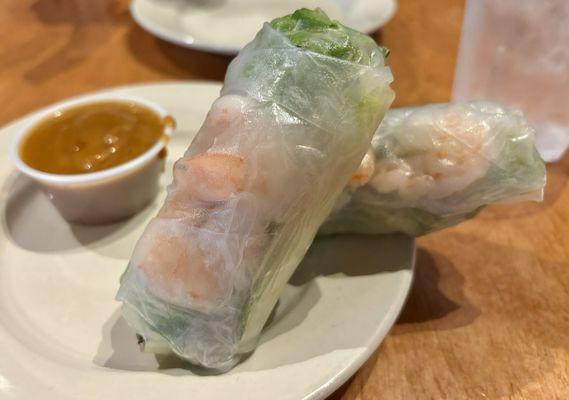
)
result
[(92, 137)]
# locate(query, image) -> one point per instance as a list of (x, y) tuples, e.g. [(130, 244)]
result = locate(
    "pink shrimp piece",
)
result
[(364, 172), (173, 265), (212, 176)]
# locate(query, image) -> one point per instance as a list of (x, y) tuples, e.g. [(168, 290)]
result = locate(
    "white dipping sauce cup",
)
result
[(104, 196)]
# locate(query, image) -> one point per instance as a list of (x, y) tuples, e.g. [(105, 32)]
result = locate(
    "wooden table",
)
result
[(487, 316)]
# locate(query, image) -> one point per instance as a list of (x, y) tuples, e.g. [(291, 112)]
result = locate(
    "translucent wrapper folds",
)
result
[(275, 151), (434, 166)]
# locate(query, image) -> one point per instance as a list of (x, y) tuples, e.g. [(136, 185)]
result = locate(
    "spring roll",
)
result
[(296, 114), (434, 166)]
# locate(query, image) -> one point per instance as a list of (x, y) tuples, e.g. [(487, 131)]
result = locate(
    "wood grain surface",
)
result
[(487, 316)]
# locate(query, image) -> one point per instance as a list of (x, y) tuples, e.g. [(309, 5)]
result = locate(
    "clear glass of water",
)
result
[(516, 52)]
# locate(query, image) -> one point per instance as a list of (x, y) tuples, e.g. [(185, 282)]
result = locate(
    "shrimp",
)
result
[(175, 256), (436, 156), (364, 172), (210, 177), (172, 264), (190, 251), (360, 178), (228, 114)]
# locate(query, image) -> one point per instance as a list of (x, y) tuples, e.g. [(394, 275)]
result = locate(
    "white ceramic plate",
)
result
[(225, 26), (62, 336)]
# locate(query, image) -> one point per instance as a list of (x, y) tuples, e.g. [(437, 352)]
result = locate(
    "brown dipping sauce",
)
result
[(92, 137)]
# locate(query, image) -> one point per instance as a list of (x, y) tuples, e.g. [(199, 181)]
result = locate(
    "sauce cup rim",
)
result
[(88, 177)]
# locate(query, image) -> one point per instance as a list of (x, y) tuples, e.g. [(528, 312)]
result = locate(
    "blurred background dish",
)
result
[(225, 26)]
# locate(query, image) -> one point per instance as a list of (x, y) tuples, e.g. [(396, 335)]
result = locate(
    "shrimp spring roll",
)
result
[(434, 166), (296, 114)]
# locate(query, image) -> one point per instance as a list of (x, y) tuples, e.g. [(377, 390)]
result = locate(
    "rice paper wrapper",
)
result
[(437, 165), (288, 131)]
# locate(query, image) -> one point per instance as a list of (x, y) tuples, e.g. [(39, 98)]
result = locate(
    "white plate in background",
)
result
[(225, 26), (62, 335)]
